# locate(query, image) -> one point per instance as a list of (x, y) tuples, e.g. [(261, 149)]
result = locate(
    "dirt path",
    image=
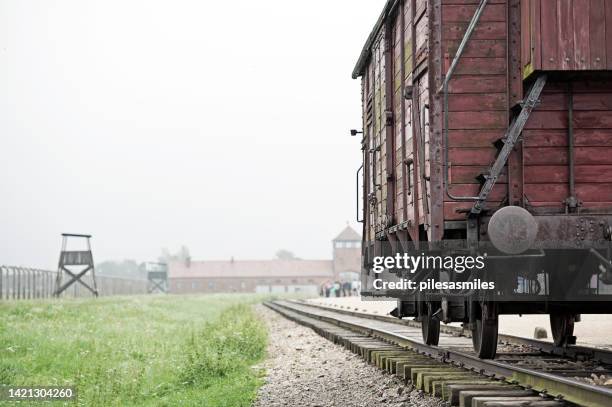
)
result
[(303, 369)]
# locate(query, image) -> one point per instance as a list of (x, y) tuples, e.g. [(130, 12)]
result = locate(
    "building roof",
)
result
[(251, 269), (348, 235)]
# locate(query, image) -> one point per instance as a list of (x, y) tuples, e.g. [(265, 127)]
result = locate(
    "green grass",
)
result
[(145, 350)]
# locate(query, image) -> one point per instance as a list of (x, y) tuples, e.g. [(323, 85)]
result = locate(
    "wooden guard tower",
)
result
[(75, 258), (157, 274)]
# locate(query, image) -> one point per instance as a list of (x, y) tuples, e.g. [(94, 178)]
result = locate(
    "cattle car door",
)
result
[(376, 128), (420, 113)]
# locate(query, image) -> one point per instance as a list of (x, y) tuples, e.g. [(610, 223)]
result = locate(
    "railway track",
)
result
[(525, 373), (602, 356)]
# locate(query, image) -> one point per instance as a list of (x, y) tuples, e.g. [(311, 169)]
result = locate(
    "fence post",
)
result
[(36, 283), (14, 281), (1, 277), (16, 274), (37, 286), (3, 283), (18, 270), (49, 284), (30, 284), (50, 280), (24, 283), (46, 284), (20, 283)]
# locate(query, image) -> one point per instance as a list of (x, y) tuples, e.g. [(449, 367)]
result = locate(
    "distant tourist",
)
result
[(346, 289), (355, 287)]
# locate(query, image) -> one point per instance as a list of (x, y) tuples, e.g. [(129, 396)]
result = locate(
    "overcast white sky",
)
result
[(221, 125)]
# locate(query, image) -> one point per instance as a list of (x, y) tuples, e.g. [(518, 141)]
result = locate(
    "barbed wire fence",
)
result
[(20, 283)]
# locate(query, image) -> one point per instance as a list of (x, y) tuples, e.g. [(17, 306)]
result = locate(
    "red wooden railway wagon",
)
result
[(490, 123)]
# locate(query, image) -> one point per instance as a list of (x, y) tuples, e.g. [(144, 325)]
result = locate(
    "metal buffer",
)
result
[(508, 142), (75, 258), (157, 275)]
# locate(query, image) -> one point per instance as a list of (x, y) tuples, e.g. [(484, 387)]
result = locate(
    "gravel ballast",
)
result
[(304, 369)]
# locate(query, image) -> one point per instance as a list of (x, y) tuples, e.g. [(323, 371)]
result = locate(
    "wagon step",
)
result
[(509, 140)]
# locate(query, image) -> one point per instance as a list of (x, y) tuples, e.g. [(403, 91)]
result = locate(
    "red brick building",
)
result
[(265, 276)]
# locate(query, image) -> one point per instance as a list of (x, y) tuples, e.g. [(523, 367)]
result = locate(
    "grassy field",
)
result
[(145, 350)]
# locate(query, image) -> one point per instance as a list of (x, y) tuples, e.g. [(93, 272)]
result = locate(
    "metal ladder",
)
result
[(509, 140)]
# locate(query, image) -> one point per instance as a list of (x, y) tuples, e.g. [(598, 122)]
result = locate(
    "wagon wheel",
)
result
[(484, 333), (562, 327), (430, 325)]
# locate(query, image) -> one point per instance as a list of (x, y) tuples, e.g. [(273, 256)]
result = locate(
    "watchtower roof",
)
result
[(348, 235)]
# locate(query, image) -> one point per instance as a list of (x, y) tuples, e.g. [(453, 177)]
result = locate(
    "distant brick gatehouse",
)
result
[(269, 276)]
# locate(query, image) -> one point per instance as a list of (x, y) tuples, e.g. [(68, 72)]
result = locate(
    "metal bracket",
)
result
[(388, 118)]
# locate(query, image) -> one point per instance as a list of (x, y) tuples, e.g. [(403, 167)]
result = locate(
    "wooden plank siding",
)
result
[(566, 35), (546, 152), (478, 99)]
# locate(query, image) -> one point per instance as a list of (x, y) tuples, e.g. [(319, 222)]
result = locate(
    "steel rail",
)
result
[(578, 352), (556, 386)]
